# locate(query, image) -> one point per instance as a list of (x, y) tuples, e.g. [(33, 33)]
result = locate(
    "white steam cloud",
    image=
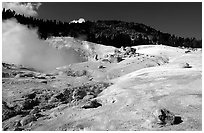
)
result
[(22, 46), (26, 8)]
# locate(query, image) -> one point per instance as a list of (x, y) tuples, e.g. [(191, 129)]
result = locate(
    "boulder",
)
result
[(164, 117)]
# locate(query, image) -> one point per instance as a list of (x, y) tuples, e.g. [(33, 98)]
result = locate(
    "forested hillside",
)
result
[(107, 32)]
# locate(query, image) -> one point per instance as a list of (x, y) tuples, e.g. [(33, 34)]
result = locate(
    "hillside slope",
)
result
[(107, 32)]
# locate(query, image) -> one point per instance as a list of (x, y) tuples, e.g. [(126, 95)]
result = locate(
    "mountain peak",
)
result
[(81, 20)]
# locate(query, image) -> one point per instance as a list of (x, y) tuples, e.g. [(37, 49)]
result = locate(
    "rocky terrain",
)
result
[(139, 88)]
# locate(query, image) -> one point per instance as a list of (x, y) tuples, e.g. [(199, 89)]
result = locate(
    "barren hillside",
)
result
[(151, 87)]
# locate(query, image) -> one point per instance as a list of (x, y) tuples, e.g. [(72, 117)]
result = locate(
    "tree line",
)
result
[(107, 32)]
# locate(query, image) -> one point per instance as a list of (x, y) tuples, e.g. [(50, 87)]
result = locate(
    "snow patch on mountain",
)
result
[(81, 20)]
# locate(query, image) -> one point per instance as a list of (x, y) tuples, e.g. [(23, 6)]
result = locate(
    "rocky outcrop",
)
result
[(165, 117)]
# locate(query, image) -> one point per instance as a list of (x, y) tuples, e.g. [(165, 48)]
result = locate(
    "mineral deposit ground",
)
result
[(141, 88)]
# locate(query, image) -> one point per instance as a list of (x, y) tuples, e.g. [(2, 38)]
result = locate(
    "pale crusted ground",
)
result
[(141, 85)]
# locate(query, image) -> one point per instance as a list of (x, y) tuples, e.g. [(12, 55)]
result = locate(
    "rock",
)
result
[(5, 75), (30, 96), (78, 73), (119, 59), (12, 125), (18, 129), (49, 74), (186, 65), (7, 112), (43, 81), (115, 59), (27, 119), (164, 117), (91, 78), (17, 76), (101, 67), (41, 77), (88, 97), (52, 77), (96, 57), (106, 60), (78, 94), (125, 52), (188, 51), (28, 104), (27, 74), (92, 104), (65, 95)]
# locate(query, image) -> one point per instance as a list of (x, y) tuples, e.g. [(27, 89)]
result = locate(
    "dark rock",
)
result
[(106, 60), (32, 95), (40, 77), (65, 96), (165, 117), (188, 51), (78, 94), (28, 104), (95, 57), (186, 65), (92, 104), (5, 75), (90, 79), (18, 129), (101, 67), (78, 73), (115, 59), (52, 77), (42, 99), (13, 125), (7, 112), (43, 81), (49, 74)]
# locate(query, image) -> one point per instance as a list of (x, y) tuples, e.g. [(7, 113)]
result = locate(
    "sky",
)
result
[(180, 18)]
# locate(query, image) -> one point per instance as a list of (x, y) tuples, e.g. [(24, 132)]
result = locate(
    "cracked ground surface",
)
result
[(127, 94)]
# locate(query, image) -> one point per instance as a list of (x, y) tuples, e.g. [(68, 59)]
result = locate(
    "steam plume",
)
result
[(22, 46)]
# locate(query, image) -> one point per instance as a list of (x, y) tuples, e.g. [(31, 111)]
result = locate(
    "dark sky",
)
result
[(182, 19)]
